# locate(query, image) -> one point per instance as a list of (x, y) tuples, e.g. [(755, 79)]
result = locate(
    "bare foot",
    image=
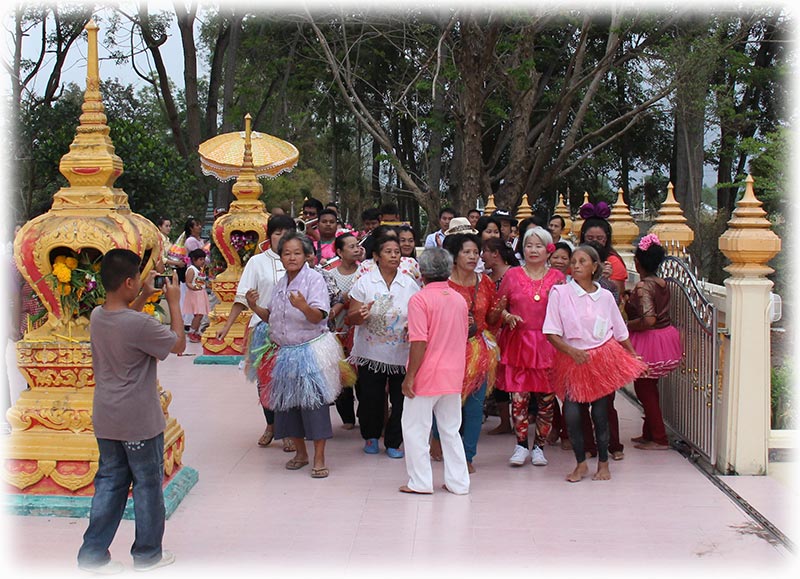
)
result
[(405, 489), (348, 426), (618, 455), (566, 444), (650, 445), (639, 439), (580, 471), (470, 468), (501, 429), (436, 449), (602, 471)]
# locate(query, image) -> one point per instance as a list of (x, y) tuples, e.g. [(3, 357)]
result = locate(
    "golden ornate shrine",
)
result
[(52, 448), (247, 215)]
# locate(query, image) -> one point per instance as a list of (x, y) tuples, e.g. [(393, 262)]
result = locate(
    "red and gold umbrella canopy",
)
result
[(222, 156)]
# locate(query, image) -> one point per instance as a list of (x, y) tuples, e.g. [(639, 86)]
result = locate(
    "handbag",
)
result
[(473, 327)]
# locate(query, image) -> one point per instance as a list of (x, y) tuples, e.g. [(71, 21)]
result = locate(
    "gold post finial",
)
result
[(490, 206), (671, 225), (749, 241), (624, 228)]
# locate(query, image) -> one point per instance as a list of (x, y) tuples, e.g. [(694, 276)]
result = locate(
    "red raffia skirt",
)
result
[(483, 355), (609, 368)]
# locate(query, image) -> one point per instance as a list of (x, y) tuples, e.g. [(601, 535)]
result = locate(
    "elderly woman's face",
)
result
[(389, 256), (292, 256), (467, 257)]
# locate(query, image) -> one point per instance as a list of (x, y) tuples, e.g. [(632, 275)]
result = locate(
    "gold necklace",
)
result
[(536, 297)]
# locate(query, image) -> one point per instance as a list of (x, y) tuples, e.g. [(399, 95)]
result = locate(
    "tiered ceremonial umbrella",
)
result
[(222, 156)]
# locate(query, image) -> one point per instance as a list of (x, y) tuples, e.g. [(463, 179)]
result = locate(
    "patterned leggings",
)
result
[(544, 416)]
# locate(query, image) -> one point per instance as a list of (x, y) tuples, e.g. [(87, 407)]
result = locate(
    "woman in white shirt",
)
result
[(379, 310)]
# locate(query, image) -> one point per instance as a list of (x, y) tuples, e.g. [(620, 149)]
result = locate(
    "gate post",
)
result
[(743, 427)]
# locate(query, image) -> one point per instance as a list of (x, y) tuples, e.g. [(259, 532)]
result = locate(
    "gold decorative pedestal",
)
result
[(51, 453)]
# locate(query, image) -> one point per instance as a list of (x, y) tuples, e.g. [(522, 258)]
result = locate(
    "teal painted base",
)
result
[(223, 360), (79, 507)]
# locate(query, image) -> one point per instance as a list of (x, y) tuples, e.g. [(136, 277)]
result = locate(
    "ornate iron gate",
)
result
[(689, 395)]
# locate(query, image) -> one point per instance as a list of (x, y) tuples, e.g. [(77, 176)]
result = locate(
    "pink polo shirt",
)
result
[(583, 320), (437, 315)]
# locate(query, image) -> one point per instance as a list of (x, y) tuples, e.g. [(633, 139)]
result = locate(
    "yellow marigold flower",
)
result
[(61, 259), (62, 272), (71, 262), (149, 309), (66, 289), (96, 267)]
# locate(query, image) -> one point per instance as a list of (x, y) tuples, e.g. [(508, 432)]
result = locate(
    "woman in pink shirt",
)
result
[(594, 355), (437, 330)]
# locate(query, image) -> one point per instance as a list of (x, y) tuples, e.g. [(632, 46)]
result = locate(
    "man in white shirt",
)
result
[(436, 238)]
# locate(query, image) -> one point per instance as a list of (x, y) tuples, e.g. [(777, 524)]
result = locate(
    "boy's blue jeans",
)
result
[(471, 421), (123, 463)]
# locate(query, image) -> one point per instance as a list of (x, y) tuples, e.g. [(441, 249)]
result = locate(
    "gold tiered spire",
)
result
[(671, 226), (578, 223), (524, 210), (749, 241), (624, 228), (490, 206), (563, 212)]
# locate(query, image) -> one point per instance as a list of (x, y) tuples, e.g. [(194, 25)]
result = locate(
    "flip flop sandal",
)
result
[(295, 464), (288, 445), (266, 438), (405, 489), (320, 472)]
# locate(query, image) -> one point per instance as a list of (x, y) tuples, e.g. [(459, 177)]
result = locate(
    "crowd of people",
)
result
[(369, 321), (413, 345)]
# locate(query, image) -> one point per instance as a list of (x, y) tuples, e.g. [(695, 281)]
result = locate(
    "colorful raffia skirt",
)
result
[(660, 349), (307, 375), (609, 368), (483, 355)]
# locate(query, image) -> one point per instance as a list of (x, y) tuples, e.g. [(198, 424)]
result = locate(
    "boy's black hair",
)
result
[(315, 203), (449, 210), (117, 266), (389, 209), (277, 222), (371, 214), (327, 212), (197, 254)]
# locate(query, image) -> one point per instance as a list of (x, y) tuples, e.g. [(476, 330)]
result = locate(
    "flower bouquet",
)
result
[(76, 280), (245, 244)]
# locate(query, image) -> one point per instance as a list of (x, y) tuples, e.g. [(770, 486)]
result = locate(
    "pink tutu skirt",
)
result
[(609, 368), (660, 349), (195, 302)]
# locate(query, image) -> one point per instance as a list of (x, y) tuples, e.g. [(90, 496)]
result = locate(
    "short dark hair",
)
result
[(327, 212), (160, 221), (449, 210), (565, 246), (277, 222), (560, 220), (117, 266), (371, 214), (389, 209), (455, 243), (315, 203), (197, 254), (338, 243), (651, 258), (474, 211), (381, 241)]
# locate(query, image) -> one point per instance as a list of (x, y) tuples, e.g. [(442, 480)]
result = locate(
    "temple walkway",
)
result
[(248, 515)]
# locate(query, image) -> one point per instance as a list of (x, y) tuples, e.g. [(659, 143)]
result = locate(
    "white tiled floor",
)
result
[(250, 516)]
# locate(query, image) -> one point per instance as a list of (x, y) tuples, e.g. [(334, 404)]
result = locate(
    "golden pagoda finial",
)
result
[(91, 166), (623, 228), (671, 225), (563, 211), (247, 188), (524, 210), (577, 224), (490, 206), (749, 241)]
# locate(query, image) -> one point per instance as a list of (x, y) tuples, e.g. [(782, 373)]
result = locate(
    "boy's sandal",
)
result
[(295, 464), (320, 472)]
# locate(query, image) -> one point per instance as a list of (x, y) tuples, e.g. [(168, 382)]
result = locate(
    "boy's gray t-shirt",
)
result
[(126, 345)]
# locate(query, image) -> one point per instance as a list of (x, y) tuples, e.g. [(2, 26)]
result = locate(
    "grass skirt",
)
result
[(660, 349), (609, 368), (308, 375), (257, 345), (483, 354)]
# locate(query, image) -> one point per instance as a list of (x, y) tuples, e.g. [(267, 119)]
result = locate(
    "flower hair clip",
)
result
[(648, 240), (601, 210), (550, 247)]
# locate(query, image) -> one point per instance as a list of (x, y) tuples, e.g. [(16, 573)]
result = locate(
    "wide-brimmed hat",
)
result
[(504, 215), (460, 225)]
